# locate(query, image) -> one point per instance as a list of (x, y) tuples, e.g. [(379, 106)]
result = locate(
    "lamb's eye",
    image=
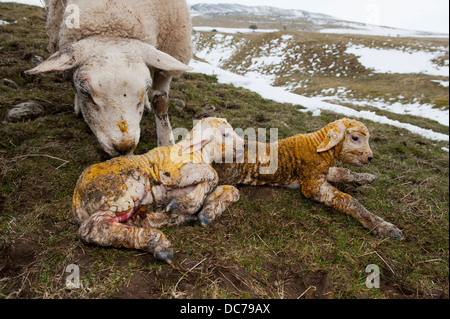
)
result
[(355, 138)]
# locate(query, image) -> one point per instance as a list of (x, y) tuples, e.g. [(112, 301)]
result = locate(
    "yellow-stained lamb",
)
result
[(307, 161), (123, 201)]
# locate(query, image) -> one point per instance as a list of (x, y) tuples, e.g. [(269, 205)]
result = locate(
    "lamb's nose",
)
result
[(124, 149), (370, 158)]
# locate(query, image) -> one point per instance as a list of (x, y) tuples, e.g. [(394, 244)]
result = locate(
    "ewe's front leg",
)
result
[(160, 105), (323, 192), (343, 175), (106, 229), (217, 203)]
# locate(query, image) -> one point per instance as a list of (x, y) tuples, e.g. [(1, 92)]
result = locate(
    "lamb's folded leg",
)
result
[(325, 193), (191, 202), (217, 203), (160, 219), (105, 228), (201, 177), (343, 175)]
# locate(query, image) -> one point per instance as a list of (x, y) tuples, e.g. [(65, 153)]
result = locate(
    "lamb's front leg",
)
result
[(105, 228), (325, 193), (217, 203), (343, 175), (194, 183), (190, 203), (160, 219)]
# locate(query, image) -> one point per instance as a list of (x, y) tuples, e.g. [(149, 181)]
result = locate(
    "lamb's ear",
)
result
[(162, 61), (60, 61), (333, 138), (194, 147)]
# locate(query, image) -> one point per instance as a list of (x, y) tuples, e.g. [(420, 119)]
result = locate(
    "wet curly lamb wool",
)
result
[(123, 201), (307, 162)]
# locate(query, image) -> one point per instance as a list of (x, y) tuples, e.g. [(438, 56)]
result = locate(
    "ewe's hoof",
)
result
[(203, 221), (166, 256), (171, 207)]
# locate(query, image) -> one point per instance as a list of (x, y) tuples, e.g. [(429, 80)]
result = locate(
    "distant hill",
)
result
[(263, 17)]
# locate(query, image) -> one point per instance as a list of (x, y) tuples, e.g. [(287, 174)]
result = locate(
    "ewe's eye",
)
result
[(84, 92), (355, 138)]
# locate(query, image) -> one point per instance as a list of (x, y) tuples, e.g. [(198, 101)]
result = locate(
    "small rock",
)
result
[(10, 83), (36, 60), (24, 111), (179, 104), (208, 108)]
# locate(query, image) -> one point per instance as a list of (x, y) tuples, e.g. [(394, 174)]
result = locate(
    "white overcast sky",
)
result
[(423, 15)]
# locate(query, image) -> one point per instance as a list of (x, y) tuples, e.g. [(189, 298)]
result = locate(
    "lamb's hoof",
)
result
[(171, 207), (398, 237), (190, 220), (203, 221), (389, 230), (366, 179), (166, 256)]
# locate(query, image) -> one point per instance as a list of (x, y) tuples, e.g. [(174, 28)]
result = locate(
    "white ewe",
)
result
[(119, 50)]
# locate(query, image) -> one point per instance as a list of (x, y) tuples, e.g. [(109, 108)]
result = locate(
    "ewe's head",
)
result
[(350, 141), (217, 140), (111, 80)]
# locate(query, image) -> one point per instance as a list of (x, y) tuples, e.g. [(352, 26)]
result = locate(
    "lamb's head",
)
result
[(111, 80), (216, 139), (350, 141)]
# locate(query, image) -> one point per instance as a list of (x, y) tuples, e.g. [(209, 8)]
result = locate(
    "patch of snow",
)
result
[(442, 83), (310, 104), (384, 32), (2, 22), (416, 109), (445, 149), (396, 61), (217, 52)]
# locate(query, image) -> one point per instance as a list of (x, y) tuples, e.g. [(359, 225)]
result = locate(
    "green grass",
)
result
[(273, 243)]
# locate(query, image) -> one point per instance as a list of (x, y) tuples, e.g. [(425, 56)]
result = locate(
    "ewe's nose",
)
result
[(124, 148), (370, 158)]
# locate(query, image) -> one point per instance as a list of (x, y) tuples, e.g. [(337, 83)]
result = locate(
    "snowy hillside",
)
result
[(365, 77), (214, 10)]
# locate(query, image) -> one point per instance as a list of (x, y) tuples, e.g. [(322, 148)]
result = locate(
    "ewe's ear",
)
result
[(333, 138), (60, 61), (160, 60)]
